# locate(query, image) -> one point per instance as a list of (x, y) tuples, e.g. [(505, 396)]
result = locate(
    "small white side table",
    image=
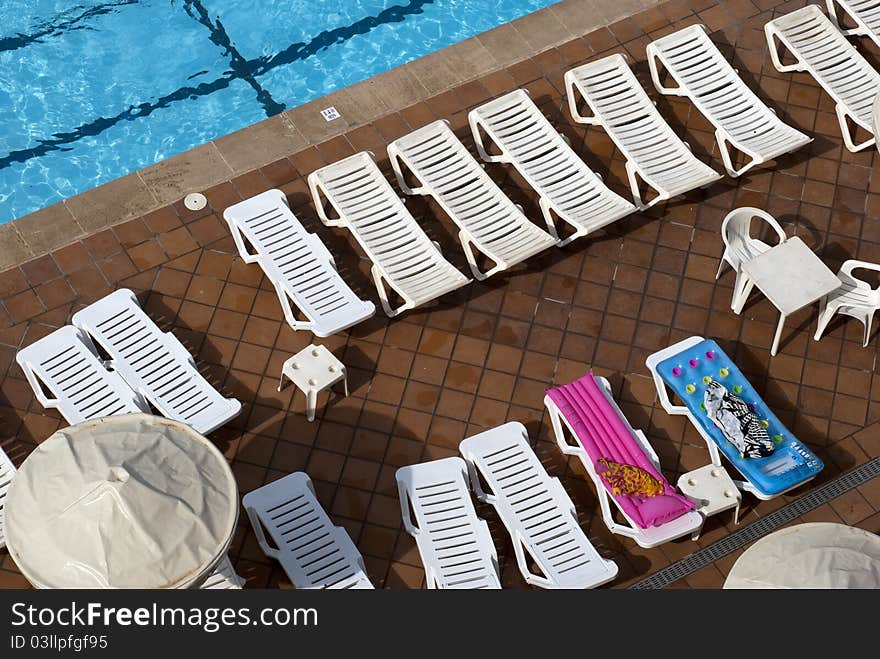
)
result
[(713, 490), (313, 369), (792, 277)]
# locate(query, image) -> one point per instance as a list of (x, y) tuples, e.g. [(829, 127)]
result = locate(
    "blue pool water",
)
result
[(94, 89)]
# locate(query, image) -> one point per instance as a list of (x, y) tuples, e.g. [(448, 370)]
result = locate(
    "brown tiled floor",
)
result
[(485, 354)]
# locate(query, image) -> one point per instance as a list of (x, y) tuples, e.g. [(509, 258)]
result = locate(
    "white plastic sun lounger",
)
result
[(454, 544), (535, 509), (7, 473), (741, 119), (224, 577), (564, 183), (313, 552), (66, 364), (822, 50), (686, 524), (653, 151), (297, 263), (488, 220), (865, 14), (402, 254), (154, 363)]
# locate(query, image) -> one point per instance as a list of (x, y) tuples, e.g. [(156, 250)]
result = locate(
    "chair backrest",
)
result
[(81, 387), (313, 552), (456, 548), (737, 226), (535, 508), (383, 226), (296, 261), (846, 275), (7, 473), (154, 363), (620, 104), (830, 58)]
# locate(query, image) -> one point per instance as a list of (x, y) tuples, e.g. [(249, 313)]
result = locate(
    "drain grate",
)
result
[(761, 527)]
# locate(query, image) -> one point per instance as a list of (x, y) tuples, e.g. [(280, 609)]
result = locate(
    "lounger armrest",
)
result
[(396, 165), (653, 361), (572, 92), (411, 528), (474, 479), (257, 526), (653, 59), (38, 388), (315, 187), (475, 123), (771, 33)]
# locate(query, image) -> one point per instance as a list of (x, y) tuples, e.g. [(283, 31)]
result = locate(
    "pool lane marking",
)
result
[(296, 52), (196, 10), (50, 29)]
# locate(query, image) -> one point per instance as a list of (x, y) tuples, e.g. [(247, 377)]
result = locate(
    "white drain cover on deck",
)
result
[(195, 201)]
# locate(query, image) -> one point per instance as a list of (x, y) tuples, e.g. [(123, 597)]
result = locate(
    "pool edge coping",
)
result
[(297, 129)]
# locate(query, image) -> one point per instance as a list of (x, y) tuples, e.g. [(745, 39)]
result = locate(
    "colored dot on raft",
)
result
[(710, 354), (693, 363), (777, 439), (765, 422), (752, 407), (724, 372), (703, 406), (707, 379), (737, 389), (676, 371), (690, 388)]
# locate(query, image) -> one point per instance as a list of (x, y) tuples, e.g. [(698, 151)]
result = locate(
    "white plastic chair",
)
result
[(686, 524), (454, 544), (66, 364), (224, 577), (154, 363), (535, 509), (313, 552), (564, 183), (297, 263), (865, 14), (742, 121), (403, 256), (7, 473), (854, 298), (740, 246), (488, 221), (821, 49), (653, 152)]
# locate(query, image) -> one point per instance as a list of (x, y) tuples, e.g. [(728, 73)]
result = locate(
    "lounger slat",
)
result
[(566, 186), (313, 552), (7, 473), (66, 363), (154, 363), (535, 509), (454, 544), (705, 76), (402, 254), (822, 50), (486, 217), (297, 263)]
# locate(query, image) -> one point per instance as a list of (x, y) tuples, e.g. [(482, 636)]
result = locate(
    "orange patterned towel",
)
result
[(630, 480)]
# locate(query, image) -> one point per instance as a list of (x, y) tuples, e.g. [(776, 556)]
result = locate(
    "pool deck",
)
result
[(484, 355)]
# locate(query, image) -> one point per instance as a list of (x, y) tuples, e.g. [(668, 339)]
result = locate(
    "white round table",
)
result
[(813, 555), (131, 501)]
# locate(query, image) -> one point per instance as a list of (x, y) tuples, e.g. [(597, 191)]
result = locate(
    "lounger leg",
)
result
[(774, 53), (727, 157), (778, 334), (848, 134), (311, 403), (467, 246), (653, 65), (869, 317), (634, 186), (478, 141), (383, 293)]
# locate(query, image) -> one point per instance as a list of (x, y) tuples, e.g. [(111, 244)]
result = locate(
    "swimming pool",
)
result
[(91, 90)]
